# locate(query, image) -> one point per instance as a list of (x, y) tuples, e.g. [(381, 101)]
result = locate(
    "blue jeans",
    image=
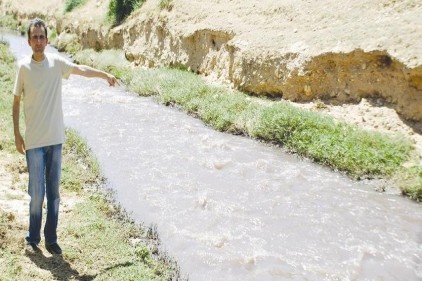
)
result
[(44, 167)]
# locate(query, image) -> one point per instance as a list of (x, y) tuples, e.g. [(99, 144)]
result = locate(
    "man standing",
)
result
[(39, 81)]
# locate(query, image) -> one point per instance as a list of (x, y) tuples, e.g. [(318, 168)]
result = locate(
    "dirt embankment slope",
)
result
[(362, 56), (299, 50)]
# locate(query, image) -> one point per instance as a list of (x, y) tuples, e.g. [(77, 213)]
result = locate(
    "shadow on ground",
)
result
[(59, 267)]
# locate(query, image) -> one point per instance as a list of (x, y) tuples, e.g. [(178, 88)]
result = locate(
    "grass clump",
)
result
[(80, 168), (410, 182), (69, 5), (67, 42), (9, 21), (113, 61), (166, 4), (338, 145), (357, 152), (119, 10), (94, 231)]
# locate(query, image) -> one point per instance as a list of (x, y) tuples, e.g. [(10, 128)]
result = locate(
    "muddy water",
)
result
[(230, 208)]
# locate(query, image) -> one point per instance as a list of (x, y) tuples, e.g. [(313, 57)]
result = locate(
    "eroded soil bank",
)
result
[(295, 50)]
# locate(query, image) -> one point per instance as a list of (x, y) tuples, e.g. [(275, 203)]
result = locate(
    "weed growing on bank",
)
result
[(9, 21), (118, 10), (410, 181), (98, 238), (357, 152), (78, 152), (166, 4), (69, 5)]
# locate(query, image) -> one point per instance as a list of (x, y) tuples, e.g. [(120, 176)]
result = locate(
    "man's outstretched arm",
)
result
[(89, 72)]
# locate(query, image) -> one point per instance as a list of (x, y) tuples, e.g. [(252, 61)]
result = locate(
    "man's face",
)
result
[(37, 41)]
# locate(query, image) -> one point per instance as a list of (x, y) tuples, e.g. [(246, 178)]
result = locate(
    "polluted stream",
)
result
[(230, 208)]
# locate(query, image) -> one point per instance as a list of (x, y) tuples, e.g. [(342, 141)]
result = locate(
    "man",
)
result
[(39, 81)]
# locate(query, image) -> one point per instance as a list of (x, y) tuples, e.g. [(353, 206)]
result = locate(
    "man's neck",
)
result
[(38, 56)]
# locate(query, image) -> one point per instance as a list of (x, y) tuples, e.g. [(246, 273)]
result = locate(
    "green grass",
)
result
[(346, 148), (119, 10), (8, 21), (80, 168), (166, 4), (11, 22), (410, 181), (338, 145), (109, 60), (95, 233), (70, 5)]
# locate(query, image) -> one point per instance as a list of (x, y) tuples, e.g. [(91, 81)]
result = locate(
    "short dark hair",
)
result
[(38, 23)]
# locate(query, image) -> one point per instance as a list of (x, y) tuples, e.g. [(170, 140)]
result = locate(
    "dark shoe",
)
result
[(53, 249), (32, 248)]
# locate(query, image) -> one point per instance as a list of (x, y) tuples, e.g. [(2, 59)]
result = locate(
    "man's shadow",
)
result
[(58, 267), (61, 269)]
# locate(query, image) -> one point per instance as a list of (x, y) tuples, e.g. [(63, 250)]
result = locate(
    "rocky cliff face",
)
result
[(294, 49)]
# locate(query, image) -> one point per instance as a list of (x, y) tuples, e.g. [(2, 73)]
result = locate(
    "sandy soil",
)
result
[(344, 25)]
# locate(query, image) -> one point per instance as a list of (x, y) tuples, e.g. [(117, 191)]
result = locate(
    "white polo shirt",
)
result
[(40, 84)]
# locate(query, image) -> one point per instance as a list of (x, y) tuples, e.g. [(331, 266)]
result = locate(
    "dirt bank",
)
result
[(297, 50), (362, 59)]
